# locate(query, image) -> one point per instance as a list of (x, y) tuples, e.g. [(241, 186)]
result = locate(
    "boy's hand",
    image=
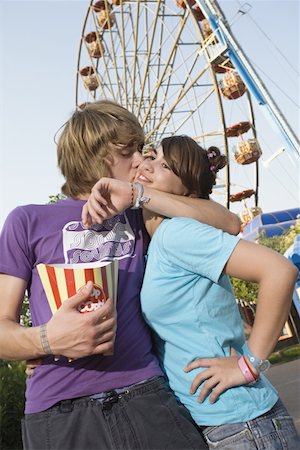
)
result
[(75, 335)]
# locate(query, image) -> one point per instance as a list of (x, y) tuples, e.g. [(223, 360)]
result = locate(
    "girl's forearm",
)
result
[(205, 211), (273, 306)]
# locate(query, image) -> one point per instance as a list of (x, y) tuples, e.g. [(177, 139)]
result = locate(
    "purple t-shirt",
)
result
[(53, 234)]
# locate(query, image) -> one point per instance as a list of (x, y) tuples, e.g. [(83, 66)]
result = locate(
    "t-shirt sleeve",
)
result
[(196, 247), (15, 251)]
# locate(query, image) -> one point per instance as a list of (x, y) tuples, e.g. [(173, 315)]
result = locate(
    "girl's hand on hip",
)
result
[(220, 374)]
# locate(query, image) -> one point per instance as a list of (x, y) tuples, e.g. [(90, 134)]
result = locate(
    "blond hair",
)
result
[(87, 140)]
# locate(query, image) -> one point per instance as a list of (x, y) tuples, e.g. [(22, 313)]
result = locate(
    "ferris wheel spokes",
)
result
[(158, 64)]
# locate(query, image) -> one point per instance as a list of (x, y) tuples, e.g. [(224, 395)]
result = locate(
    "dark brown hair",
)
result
[(195, 166)]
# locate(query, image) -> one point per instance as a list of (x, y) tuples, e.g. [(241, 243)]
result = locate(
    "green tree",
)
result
[(281, 243), (55, 198)]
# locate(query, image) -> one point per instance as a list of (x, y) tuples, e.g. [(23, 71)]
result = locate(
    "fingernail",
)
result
[(85, 287)]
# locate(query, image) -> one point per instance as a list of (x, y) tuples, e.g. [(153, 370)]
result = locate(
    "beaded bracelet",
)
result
[(44, 339), (132, 195), (245, 370)]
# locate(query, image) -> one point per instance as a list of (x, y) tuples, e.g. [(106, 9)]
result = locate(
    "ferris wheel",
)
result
[(162, 60)]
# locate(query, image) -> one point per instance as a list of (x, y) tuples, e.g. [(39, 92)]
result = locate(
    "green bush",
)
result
[(12, 394), (285, 355), (12, 397)]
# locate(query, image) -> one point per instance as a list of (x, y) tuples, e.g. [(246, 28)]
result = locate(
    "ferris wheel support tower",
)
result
[(221, 29)]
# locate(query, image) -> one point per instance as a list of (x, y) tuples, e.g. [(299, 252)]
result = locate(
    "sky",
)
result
[(39, 43)]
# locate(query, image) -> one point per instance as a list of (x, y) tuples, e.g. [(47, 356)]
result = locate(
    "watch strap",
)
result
[(261, 365)]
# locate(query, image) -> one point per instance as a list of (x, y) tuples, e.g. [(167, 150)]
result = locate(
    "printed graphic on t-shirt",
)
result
[(114, 239)]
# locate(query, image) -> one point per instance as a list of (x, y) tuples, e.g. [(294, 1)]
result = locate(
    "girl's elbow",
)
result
[(290, 273), (294, 273), (235, 224)]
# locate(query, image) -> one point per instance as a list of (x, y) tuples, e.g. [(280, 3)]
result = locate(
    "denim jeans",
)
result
[(144, 416), (273, 430)]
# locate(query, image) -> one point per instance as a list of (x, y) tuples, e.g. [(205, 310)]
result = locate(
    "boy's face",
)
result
[(124, 161)]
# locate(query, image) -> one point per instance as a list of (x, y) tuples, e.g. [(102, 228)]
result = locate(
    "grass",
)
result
[(285, 355)]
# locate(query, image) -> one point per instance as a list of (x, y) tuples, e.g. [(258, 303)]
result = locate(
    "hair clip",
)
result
[(211, 154), (213, 169)]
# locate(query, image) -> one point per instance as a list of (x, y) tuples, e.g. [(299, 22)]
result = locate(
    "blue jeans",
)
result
[(273, 430)]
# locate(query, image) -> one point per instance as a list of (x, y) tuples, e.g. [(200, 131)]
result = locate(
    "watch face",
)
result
[(264, 366)]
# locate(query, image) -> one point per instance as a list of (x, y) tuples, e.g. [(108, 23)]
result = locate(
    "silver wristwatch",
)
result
[(261, 365)]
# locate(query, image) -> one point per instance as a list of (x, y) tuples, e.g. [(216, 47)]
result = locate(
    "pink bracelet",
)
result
[(245, 370)]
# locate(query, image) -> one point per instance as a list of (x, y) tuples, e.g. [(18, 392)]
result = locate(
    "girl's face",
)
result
[(155, 173)]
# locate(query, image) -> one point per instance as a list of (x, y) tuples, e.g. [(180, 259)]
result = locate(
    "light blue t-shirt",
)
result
[(189, 303)]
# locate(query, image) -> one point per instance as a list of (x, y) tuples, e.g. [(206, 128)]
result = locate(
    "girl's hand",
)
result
[(220, 375), (31, 365), (108, 198)]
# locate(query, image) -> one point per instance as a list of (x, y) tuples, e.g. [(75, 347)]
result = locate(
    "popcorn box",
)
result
[(61, 281)]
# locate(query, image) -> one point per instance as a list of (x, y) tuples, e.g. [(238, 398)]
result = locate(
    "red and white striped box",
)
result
[(61, 281)]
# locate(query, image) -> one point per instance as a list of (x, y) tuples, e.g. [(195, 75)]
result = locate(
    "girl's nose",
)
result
[(147, 164)]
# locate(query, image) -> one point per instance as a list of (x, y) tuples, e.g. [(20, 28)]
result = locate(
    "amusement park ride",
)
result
[(177, 66)]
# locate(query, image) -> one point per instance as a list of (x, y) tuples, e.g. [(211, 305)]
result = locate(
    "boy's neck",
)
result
[(82, 197)]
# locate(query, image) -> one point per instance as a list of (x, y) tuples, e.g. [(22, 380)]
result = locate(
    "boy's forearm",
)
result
[(19, 343), (205, 211)]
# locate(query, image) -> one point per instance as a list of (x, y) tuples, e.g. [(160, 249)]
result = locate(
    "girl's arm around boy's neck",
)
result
[(205, 211), (110, 197)]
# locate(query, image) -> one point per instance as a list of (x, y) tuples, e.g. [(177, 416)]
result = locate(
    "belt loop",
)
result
[(66, 406)]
